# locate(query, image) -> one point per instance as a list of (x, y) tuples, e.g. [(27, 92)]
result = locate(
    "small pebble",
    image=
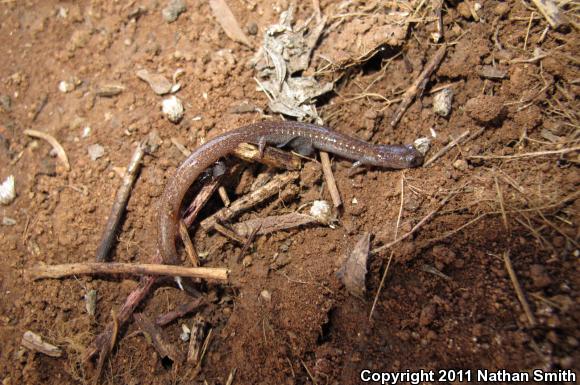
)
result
[(252, 28), (247, 261), (173, 109), (7, 191), (185, 333), (321, 211), (442, 102), (460, 164), (65, 86), (266, 295), (7, 221), (95, 151), (422, 145), (173, 10), (86, 132)]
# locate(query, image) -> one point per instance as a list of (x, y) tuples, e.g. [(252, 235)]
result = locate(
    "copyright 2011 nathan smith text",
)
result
[(466, 375)]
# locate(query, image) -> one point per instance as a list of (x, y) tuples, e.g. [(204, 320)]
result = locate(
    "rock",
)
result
[(265, 294), (252, 28), (485, 109), (95, 151), (66, 86), (460, 164), (247, 261), (173, 109), (7, 221), (173, 10), (109, 90), (442, 102), (7, 191), (322, 211), (158, 83)]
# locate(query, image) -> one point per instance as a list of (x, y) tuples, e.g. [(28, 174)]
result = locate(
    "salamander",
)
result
[(262, 133)]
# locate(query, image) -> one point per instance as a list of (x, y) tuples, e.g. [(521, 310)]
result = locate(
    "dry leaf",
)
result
[(228, 22), (353, 271)]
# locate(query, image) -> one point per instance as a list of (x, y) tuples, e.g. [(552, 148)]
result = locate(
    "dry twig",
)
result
[(180, 311), (188, 244), (422, 222), (272, 223), (418, 85), (329, 178), (271, 156), (60, 153), (157, 339), (108, 237), (445, 149), (65, 270), (551, 12), (518, 289), (250, 200), (527, 154), (392, 252)]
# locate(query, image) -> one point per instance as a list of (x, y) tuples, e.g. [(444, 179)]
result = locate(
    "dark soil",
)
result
[(468, 317)]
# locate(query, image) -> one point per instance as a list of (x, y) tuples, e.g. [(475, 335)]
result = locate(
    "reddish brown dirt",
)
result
[(311, 326)]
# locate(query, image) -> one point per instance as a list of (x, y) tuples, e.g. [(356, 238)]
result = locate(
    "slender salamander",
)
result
[(278, 133)]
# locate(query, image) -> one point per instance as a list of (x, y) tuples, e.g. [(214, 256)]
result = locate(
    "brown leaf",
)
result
[(228, 22), (354, 268)]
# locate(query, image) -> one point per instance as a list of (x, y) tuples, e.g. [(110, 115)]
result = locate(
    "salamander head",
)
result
[(402, 156)]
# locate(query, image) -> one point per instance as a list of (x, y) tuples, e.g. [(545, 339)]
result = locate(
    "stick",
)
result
[(271, 156), (107, 346), (40, 107), (158, 339), (65, 270), (228, 233), (101, 345), (249, 200), (271, 224), (392, 251), (196, 339), (329, 178), (108, 237), (188, 244), (200, 200), (501, 204), (445, 149), (249, 241), (180, 311), (418, 84), (527, 154), (60, 153), (518, 289), (417, 226), (550, 11)]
